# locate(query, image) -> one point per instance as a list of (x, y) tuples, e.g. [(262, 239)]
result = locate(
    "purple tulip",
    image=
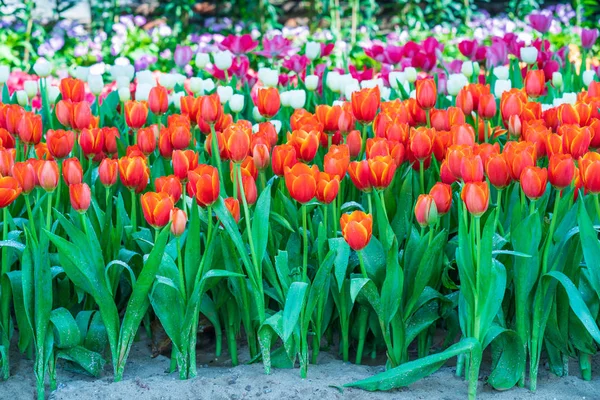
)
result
[(183, 55), (540, 21), (588, 38)]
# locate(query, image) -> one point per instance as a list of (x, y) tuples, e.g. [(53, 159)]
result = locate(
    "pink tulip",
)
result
[(588, 38), (239, 45), (468, 48), (540, 21)]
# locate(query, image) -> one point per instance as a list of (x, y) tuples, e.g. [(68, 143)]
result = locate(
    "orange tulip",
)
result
[(233, 205), (441, 142), (518, 156), (158, 100), (72, 171), (554, 144), (365, 104), (237, 140), (477, 90), (111, 134), (267, 130), (60, 142), (72, 89), (9, 191), (178, 221), (498, 171), (305, 143), (471, 168), (535, 83), (180, 136), (134, 173), (10, 117), (268, 102), (82, 115), (157, 208), (327, 187), (6, 139), (567, 114), (165, 147), (210, 110), (47, 174), (442, 195), (107, 172), (283, 156), (91, 141), (206, 178), (80, 196), (301, 182), (463, 134), (446, 175), (476, 196), (487, 106), (512, 103), (328, 116), (354, 142), (7, 160), (190, 106), (247, 167), (136, 113), (360, 173), (184, 161), (30, 128), (170, 185), (421, 142), (337, 160), (589, 169), (357, 229), (346, 121), (249, 188), (454, 156), (426, 210), (426, 93), (146, 139), (261, 156), (382, 170), (561, 170), (464, 101), (24, 173), (576, 140), (533, 182)]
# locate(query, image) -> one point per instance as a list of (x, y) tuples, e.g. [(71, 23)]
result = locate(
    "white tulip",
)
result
[(52, 92), (167, 80), (467, 69), (124, 94), (338, 103), (179, 79), (4, 74), (175, 99), (557, 79), (223, 59), (208, 85), (145, 76), (142, 92), (311, 82), (333, 81), (42, 67), (123, 82), (256, 115), (31, 88), (501, 72), (588, 77), (385, 92), (285, 99), (277, 124), (455, 83), (396, 79), (196, 85), (297, 98), (570, 98), (351, 88), (313, 50), (269, 77), (82, 73), (22, 98), (501, 86), (96, 84), (529, 54), (236, 103), (202, 60), (411, 74), (225, 93)]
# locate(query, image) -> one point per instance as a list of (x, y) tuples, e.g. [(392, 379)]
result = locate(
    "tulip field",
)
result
[(425, 210)]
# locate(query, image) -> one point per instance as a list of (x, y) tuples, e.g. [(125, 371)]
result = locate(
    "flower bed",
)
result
[(367, 208)]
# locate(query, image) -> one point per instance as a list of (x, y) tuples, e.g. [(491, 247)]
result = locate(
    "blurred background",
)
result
[(90, 31)]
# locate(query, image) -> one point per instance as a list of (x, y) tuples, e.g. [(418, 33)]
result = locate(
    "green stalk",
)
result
[(364, 142), (216, 156), (181, 273), (305, 246), (370, 202), (428, 117), (30, 215), (209, 220), (133, 215), (344, 328), (485, 130), (422, 176), (476, 361), (5, 299), (49, 212), (498, 208), (585, 364), (59, 188)]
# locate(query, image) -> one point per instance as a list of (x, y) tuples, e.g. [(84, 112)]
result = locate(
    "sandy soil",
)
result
[(147, 378)]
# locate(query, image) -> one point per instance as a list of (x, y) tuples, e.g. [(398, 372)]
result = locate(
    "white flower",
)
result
[(223, 59), (411, 74), (196, 85), (297, 98), (269, 77), (31, 88), (285, 99), (208, 85), (142, 92), (179, 79), (467, 69), (225, 93), (351, 88), (167, 80), (397, 78), (570, 98), (175, 99), (588, 77), (529, 54), (145, 76), (332, 81), (501, 86), (22, 98), (311, 82), (123, 82), (42, 67), (338, 103), (256, 115), (82, 73), (4, 74), (313, 50), (557, 79), (455, 83), (236, 103), (501, 72), (385, 92), (277, 124), (124, 94), (202, 60), (96, 84), (53, 93)]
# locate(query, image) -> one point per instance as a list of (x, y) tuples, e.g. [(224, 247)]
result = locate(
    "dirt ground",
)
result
[(147, 378)]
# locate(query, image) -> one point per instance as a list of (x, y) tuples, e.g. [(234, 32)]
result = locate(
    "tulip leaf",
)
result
[(590, 246), (66, 331), (317, 288), (294, 304), (342, 254), (25, 329), (91, 361), (260, 224), (526, 238), (192, 256), (511, 357), (283, 271), (412, 371), (391, 291)]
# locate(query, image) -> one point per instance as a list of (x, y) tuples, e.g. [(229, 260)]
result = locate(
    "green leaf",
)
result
[(590, 246), (192, 257), (317, 288), (413, 371), (511, 357), (391, 292), (294, 304), (66, 331), (260, 224), (90, 361), (342, 254)]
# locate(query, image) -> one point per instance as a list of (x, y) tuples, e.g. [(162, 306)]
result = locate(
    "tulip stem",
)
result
[(596, 204), (59, 162), (381, 195), (5, 302), (485, 131), (133, 213), (248, 223), (180, 268), (325, 218), (305, 242), (498, 205), (84, 223), (369, 202), (30, 215), (364, 142), (216, 156), (428, 117), (421, 176), (335, 216), (361, 261), (209, 221)]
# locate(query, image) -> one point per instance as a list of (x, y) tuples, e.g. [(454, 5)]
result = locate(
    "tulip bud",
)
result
[(223, 59), (22, 98), (80, 196), (167, 80), (557, 79), (588, 77), (53, 93), (31, 88), (297, 98), (313, 50), (95, 83), (142, 92), (411, 74), (514, 126), (256, 115), (333, 81), (529, 54), (202, 60), (501, 86), (146, 77), (269, 77), (426, 210), (467, 69), (208, 85), (124, 94), (4, 74), (122, 82), (455, 83), (178, 222), (236, 103), (225, 93), (42, 67), (311, 82), (196, 85), (501, 72)]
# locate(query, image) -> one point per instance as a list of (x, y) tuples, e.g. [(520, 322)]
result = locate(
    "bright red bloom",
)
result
[(9, 191), (305, 143), (237, 140), (535, 83), (107, 172), (498, 171), (72, 171), (134, 173), (328, 116), (233, 205), (487, 106), (136, 113), (24, 173), (184, 161), (268, 102), (426, 210), (382, 170), (30, 128), (357, 229), (72, 89), (365, 104), (589, 168), (206, 181), (170, 185), (576, 139), (360, 173), (421, 142), (442, 195), (158, 100), (283, 156), (561, 170), (533, 182), (426, 93), (327, 187), (157, 208), (471, 168), (476, 196), (518, 156), (91, 141), (47, 174), (80, 196), (301, 182), (60, 142)]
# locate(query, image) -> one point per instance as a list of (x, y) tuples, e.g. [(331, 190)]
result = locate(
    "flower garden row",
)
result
[(367, 215)]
